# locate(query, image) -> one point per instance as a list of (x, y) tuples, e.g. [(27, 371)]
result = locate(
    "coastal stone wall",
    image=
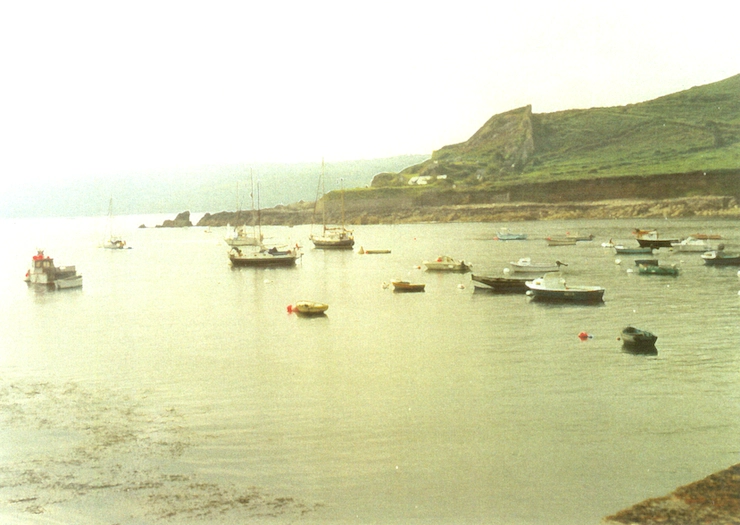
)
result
[(404, 212)]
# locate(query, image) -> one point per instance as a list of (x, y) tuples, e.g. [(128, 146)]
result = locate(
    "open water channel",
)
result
[(172, 388)]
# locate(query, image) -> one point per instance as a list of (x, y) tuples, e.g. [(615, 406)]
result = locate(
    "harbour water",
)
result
[(172, 388)]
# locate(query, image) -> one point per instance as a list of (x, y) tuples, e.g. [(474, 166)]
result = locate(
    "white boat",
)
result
[(113, 242), (445, 263), (505, 235), (331, 237), (264, 256), (692, 244), (554, 289), (525, 265), (43, 273), (241, 236)]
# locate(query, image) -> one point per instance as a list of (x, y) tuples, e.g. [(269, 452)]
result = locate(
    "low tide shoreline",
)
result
[(379, 212)]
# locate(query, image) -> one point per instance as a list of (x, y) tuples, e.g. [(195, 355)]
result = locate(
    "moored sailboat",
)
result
[(332, 237)]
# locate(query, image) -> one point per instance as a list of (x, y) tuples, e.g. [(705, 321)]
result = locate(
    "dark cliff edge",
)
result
[(714, 499)]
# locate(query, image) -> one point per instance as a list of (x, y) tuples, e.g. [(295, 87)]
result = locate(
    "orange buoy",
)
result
[(583, 336), (290, 308)]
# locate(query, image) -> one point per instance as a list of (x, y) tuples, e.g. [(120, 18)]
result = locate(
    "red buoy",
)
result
[(583, 336)]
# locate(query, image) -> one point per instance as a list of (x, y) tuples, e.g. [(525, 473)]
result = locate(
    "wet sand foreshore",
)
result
[(714, 499)]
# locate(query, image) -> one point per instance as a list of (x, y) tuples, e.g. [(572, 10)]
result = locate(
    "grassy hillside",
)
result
[(697, 130)]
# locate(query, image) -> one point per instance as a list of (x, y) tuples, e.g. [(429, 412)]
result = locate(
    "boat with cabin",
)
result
[(445, 263), (551, 288), (264, 256), (331, 237), (112, 241), (43, 273), (651, 239), (720, 258)]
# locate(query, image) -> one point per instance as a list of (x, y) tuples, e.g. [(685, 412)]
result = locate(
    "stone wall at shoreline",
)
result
[(379, 213)]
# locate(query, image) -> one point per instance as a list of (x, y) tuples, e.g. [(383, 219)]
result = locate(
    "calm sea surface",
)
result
[(174, 389)]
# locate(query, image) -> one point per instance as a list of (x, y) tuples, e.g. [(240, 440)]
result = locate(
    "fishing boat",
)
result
[(505, 235), (626, 250), (553, 289), (445, 263), (405, 286), (113, 242), (500, 284), (525, 265), (651, 239), (331, 237), (310, 308), (720, 258), (43, 273), (658, 269), (636, 339)]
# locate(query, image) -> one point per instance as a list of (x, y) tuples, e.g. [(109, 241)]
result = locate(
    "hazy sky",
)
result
[(103, 87)]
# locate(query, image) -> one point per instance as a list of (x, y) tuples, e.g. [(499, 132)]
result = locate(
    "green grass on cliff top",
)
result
[(693, 130)]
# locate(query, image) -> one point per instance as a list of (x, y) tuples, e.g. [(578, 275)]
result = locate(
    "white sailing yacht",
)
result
[(259, 255), (332, 237), (113, 242), (241, 236)]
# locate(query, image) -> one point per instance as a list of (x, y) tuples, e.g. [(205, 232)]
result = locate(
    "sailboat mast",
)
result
[(323, 194), (341, 181), (259, 218)]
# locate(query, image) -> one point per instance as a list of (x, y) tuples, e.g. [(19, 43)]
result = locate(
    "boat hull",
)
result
[(310, 308), (717, 259), (447, 267), (638, 341), (500, 284), (406, 287), (621, 250), (543, 290), (658, 270), (332, 244)]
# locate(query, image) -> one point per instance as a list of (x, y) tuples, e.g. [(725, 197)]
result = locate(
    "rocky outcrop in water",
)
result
[(181, 221)]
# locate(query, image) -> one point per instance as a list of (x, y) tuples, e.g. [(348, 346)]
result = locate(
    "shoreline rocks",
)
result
[(378, 211), (714, 499)]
